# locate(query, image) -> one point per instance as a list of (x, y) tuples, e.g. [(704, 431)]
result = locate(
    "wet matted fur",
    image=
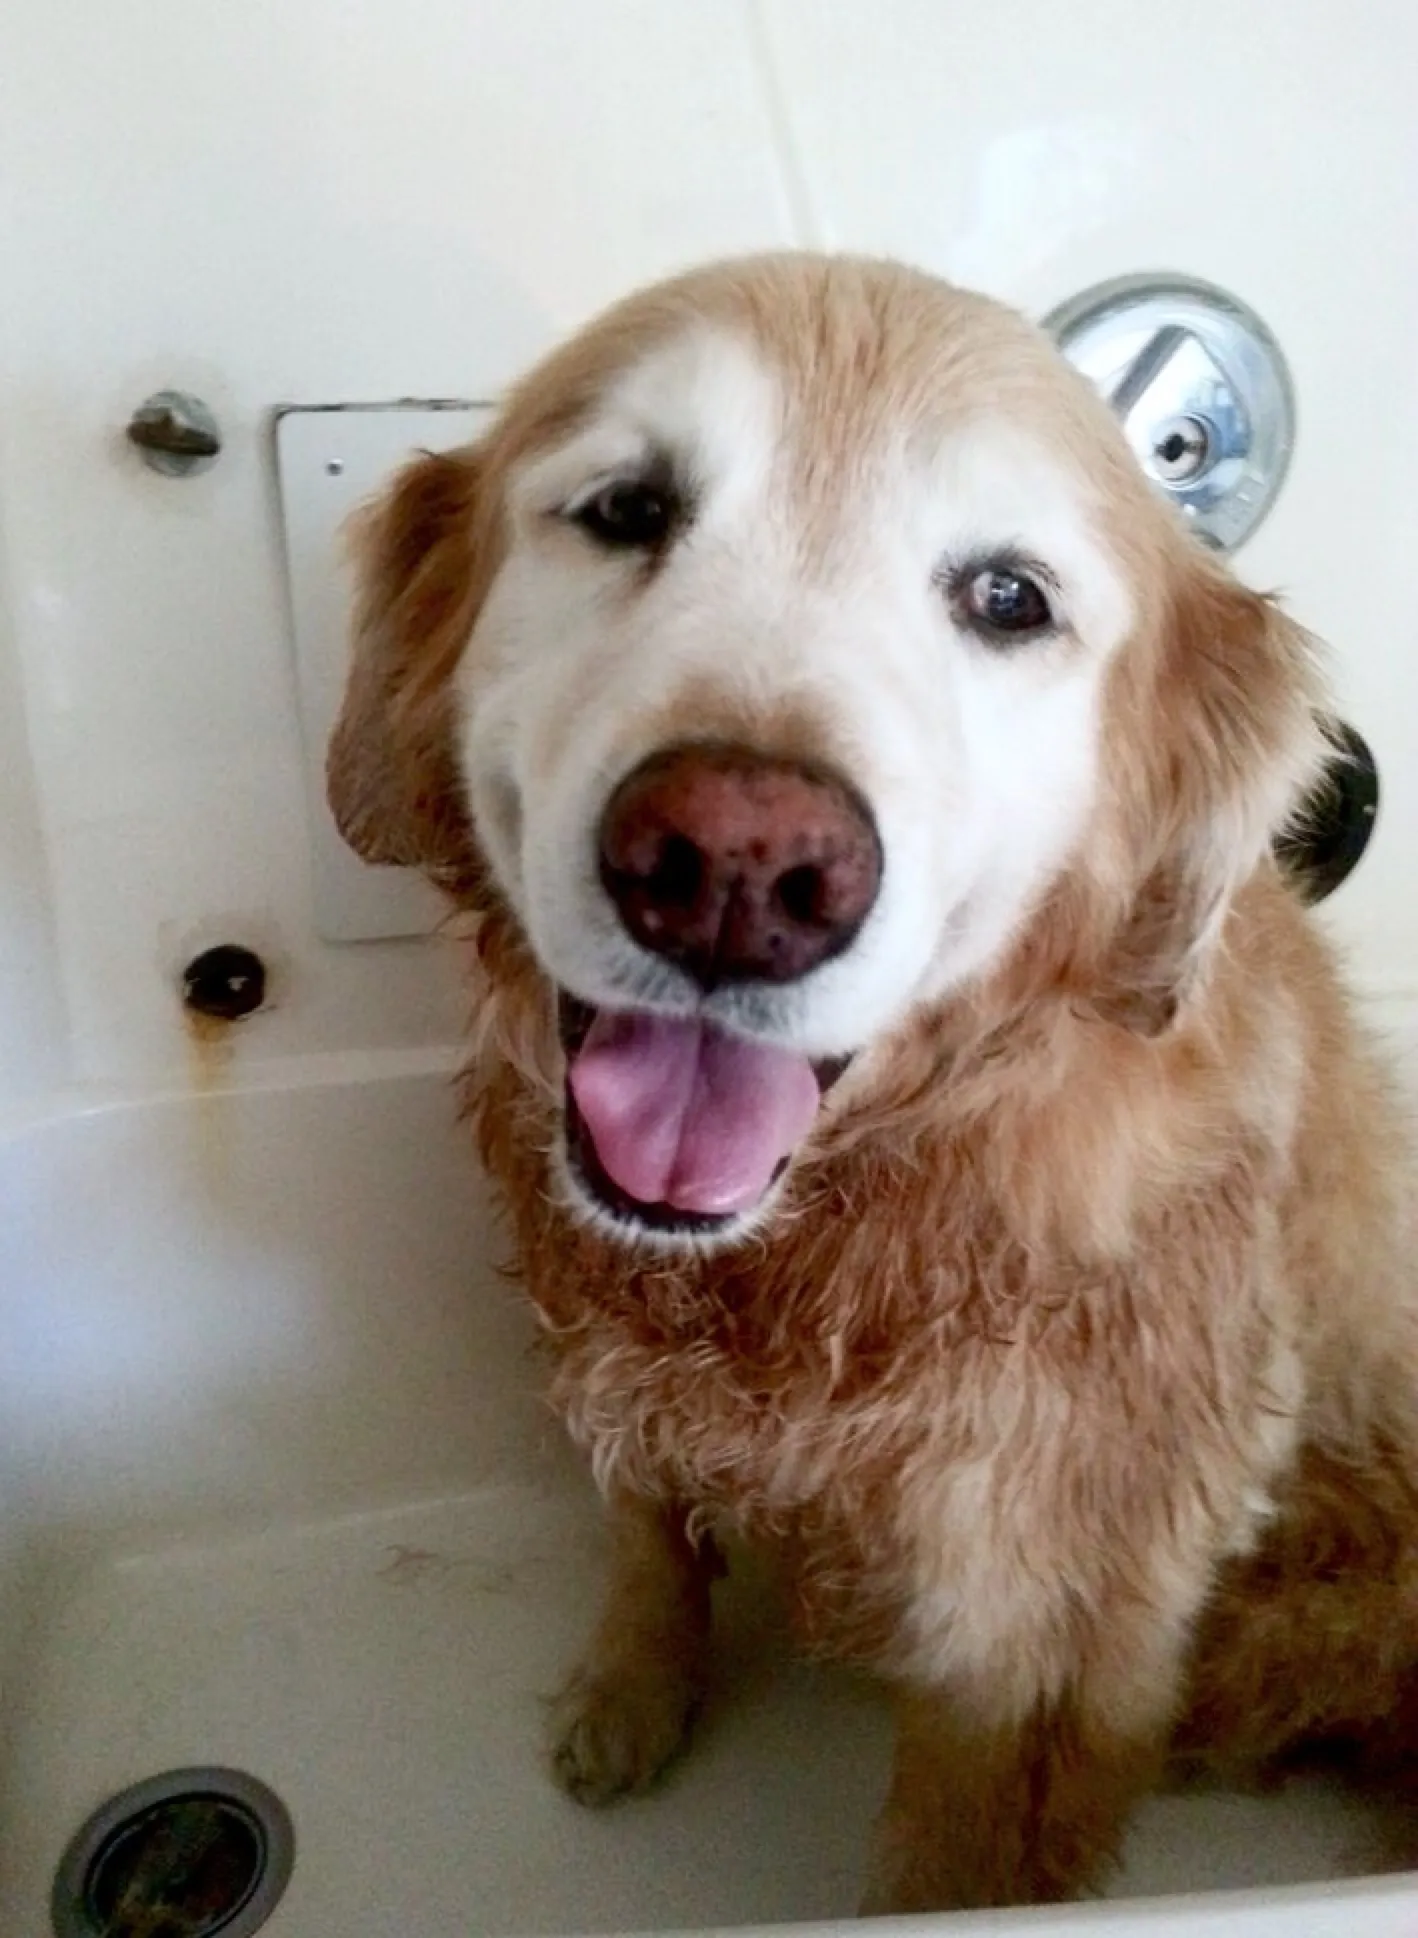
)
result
[(1070, 1367)]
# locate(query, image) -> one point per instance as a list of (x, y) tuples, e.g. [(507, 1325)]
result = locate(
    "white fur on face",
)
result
[(978, 760)]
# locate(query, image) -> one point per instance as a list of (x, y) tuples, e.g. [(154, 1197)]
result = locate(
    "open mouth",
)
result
[(675, 1125)]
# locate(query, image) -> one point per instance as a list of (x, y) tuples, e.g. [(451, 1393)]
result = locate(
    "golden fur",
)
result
[(1075, 1380)]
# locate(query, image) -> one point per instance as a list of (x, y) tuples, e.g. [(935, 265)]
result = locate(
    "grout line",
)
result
[(810, 231)]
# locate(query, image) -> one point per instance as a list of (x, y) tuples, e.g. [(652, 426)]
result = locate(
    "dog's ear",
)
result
[(423, 557), (1226, 721)]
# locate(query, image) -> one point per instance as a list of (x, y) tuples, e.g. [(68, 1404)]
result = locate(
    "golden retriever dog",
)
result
[(939, 1144)]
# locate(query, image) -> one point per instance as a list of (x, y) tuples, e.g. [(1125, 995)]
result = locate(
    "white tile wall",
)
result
[(318, 200)]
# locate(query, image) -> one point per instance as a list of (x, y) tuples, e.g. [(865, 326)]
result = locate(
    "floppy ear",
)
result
[(423, 560), (1226, 720)]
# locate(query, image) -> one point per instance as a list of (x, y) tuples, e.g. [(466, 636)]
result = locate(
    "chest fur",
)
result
[(819, 1382)]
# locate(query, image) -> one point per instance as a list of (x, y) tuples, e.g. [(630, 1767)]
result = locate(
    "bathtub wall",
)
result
[(334, 200)]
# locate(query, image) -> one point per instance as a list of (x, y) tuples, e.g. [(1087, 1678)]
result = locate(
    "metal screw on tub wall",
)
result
[(175, 433), (227, 982)]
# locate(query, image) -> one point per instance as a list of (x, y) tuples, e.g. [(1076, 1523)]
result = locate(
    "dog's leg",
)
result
[(627, 1708), (1029, 1814)]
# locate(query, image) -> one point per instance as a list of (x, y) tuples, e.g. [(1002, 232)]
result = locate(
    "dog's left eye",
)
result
[(1003, 602), (631, 514)]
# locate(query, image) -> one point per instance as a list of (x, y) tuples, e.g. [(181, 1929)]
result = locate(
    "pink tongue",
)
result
[(681, 1114)]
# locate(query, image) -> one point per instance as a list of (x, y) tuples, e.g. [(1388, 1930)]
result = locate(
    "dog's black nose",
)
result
[(739, 867)]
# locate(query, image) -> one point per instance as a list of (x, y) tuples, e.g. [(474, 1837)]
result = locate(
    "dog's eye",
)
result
[(1003, 602), (632, 514)]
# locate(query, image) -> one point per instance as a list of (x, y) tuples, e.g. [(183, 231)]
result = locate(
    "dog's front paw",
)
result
[(614, 1730)]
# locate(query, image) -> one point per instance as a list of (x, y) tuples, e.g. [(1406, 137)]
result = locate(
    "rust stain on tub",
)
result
[(210, 1053)]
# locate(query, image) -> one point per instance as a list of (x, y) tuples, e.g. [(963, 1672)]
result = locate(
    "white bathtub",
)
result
[(280, 1495)]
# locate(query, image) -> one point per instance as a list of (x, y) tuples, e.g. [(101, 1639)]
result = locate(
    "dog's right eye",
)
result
[(632, 515)]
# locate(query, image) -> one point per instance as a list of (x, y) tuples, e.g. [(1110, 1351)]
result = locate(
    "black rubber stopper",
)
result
[(227, 982), (1333, 828)]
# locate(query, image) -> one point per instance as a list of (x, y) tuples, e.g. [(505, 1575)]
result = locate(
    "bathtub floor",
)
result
[(384, 1673)]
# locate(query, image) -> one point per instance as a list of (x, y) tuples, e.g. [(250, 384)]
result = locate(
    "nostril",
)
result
[(801, 895), (677, 879)]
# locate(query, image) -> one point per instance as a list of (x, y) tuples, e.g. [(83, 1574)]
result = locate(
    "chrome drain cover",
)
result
[(202, 1853)]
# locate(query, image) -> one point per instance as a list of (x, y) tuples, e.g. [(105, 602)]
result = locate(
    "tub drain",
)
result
[(190, 1854)]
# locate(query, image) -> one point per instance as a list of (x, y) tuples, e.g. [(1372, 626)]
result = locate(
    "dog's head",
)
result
[(799, 648)]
